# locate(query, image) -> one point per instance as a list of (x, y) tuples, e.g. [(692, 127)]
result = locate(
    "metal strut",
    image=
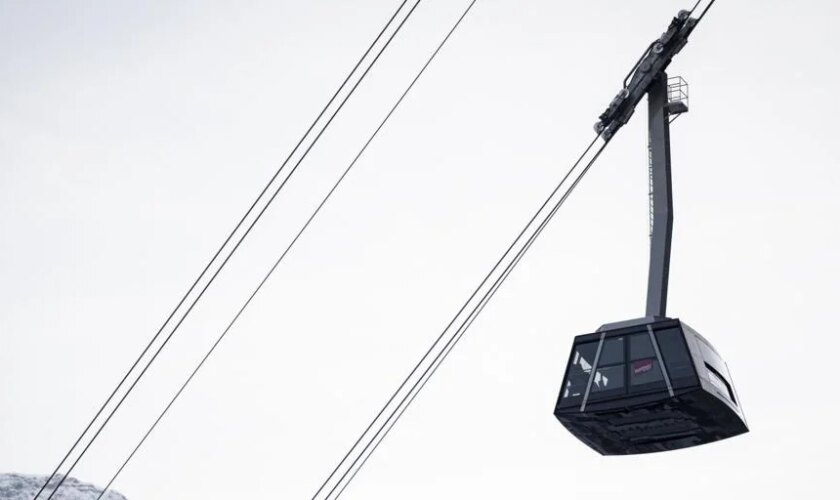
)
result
[(659, 142), (649, 77)]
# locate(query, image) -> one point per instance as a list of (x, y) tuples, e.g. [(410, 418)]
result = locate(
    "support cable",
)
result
[(454, 319), (225, 243), (694, 8), (397, 412), (706, 10), (413, 371), (279, 260)]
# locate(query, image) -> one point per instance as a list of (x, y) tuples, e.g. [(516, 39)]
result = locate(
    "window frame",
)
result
[(608, 394), (627, 389), (575, 400), (683, 341)]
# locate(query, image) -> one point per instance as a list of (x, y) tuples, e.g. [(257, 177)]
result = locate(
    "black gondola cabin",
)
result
[(647, 385)]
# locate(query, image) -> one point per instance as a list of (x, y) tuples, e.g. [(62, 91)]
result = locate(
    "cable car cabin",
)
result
[(647, 385)]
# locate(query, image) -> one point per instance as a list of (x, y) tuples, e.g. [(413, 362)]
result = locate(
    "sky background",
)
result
[(133, 135)]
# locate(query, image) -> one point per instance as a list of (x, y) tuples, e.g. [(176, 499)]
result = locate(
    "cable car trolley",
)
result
[(650, 384)]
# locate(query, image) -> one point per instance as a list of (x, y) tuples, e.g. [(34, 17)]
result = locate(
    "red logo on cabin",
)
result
[(642, 366)]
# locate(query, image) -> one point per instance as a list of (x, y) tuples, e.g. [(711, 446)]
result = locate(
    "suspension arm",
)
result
[(654, 61)]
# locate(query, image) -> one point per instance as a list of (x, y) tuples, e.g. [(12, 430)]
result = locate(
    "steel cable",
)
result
[(413, 371), (467, 323), (443, 353), (283, 255), (224, 245)]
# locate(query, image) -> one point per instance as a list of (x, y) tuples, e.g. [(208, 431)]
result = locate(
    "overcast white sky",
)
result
[(133, 136)]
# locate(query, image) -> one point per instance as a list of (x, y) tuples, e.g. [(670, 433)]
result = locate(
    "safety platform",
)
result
[(677, 95)]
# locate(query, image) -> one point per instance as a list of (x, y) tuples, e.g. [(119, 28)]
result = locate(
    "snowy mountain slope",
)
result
[(20, 487)]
